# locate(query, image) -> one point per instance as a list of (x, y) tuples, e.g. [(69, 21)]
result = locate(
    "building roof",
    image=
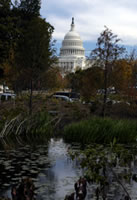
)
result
[(72, 39)]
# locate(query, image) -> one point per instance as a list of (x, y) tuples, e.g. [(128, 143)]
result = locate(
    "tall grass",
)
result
[(36, 126), (101, 130), (40, 125)]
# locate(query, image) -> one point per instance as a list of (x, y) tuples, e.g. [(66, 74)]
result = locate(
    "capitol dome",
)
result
[(72, 53), (72, 35)]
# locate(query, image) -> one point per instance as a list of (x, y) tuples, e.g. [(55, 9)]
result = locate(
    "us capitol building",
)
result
[(72, 53)]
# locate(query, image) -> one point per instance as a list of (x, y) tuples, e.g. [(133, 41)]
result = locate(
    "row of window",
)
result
[(72, 52), (67, 64), (72, 43)]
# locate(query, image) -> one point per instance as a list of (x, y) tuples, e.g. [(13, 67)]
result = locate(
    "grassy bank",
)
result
[(31, 127), (101, 130)]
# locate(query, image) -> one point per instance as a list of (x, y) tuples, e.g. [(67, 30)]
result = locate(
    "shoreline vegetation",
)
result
[(102, 130), (16, 123), (48, 118), (76, 122)]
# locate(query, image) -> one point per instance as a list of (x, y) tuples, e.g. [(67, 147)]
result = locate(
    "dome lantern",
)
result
[(72, 25)]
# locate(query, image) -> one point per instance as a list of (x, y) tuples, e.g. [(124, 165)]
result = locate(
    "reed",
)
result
[(35, 126), (40, 125), (101, 130)]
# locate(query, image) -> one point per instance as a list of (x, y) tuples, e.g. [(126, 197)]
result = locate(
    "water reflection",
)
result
[(52, 171), (49, 166), (60, 177)]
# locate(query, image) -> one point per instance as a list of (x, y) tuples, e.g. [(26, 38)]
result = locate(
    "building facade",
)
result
[(72, 53)]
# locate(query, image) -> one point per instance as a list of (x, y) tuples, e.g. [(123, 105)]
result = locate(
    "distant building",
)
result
[(72, 53)]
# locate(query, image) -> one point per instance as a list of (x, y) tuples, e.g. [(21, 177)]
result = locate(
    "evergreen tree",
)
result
[(5, 29), (25, 42), (30, 7), (34, 53), (6, 32)]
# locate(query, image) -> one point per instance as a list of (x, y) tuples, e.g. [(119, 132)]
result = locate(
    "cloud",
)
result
[(91, 16)]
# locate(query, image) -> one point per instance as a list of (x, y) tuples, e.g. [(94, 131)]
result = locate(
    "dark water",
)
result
[(52, 171), (49, 166)]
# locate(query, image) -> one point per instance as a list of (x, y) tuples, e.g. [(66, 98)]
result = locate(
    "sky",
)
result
[(90, 18)]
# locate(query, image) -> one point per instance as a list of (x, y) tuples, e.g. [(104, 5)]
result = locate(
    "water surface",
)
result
[(49, 166), (52, 171)]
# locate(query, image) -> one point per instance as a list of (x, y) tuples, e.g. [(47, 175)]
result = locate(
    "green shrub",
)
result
[(101, 130)]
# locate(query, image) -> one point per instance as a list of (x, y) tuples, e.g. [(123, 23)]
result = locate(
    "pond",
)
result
[(52, 171), (49, 166)]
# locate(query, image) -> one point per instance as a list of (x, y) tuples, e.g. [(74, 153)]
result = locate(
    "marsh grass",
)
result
[(40, 126), (26, 127), (101, 130)]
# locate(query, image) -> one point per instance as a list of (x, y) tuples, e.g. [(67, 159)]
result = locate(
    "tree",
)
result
[(122, 76), (91, 82), (52, 79), (9, 33), (74, 80), (5, 29), (34, 53), (30, 7), (26, 42), (106, 53)]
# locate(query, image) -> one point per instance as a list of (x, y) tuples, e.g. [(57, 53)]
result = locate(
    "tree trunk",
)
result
[(105, 90), (30, 99)]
